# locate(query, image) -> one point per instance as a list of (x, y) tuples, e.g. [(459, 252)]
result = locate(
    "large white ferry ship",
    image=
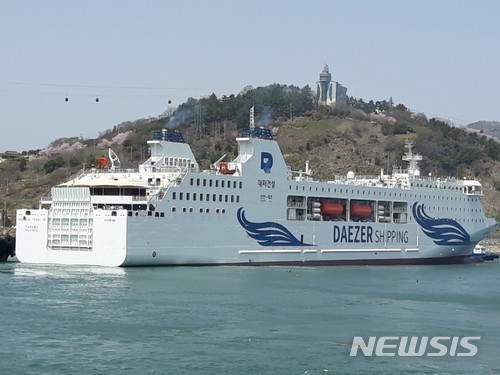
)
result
[(252, 210)]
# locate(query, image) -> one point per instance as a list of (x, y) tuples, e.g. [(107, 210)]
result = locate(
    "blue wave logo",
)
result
[(446, 232), (268, 233)]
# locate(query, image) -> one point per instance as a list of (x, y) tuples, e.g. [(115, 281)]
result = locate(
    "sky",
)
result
[(440, 57)]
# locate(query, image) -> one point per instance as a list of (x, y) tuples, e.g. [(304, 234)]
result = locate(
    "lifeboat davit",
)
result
[(360, 210), (331, 208), (223, 168)]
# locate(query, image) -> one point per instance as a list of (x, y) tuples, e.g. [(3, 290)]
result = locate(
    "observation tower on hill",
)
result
[(330, 92)]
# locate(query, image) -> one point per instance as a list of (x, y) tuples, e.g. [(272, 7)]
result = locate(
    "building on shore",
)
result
[(9, 155), (330, 92)]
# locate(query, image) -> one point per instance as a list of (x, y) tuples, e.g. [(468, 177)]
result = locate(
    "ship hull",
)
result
[(123, 240)]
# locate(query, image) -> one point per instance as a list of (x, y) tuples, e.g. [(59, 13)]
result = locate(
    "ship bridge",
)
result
[(472, 187), (256, 149), (169, 153)]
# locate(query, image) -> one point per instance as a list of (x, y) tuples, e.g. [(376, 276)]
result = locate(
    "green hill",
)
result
[(333, 140)]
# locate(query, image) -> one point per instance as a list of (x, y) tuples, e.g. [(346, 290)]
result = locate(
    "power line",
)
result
[(96, 86), (112, 86)]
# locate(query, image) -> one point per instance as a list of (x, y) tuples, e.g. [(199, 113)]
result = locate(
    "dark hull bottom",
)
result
[(352, 262)]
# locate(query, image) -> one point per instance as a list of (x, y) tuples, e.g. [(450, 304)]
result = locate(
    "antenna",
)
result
[(413, 159)]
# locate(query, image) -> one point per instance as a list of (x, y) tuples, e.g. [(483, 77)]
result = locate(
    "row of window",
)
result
[(457, 209), (370, 192), (206, 197), (201, 210), (470, 220), (215, 183), (174, 209), (150, 213), (435, 186)]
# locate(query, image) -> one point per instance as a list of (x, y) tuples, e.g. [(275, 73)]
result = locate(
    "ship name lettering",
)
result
[(267, 183), (353, 234), (399, 236), (365, 234)]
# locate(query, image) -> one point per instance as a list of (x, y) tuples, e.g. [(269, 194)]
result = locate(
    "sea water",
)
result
[(242, 320)]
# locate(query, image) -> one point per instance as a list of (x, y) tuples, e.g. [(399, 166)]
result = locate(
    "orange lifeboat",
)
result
[(102, 163), (331, 208), (360, 210), (223, 168)]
